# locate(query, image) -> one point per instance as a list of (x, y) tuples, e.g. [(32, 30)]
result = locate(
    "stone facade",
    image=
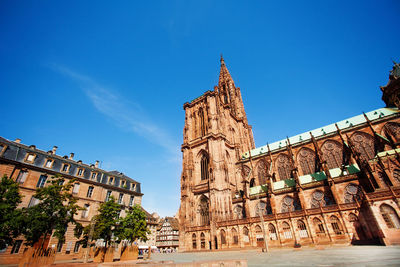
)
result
[(335, 184), (152, 221), (32, 167)]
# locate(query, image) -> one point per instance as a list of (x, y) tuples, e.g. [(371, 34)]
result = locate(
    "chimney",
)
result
[(54, 150), (17, 140), (96, 164), (71, 155)]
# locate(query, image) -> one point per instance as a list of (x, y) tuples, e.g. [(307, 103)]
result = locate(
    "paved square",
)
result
[(332, 256)]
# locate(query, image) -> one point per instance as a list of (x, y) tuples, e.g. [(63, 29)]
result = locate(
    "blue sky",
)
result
[(107, 79)]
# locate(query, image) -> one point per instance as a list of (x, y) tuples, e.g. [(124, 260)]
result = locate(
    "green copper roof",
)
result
[(331, 128)]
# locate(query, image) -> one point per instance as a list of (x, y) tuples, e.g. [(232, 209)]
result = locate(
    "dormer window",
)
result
[(80, 172), (49, 163), (94, 175), (123, 184), (2, 148), (133, 187), (65, 167), (30, 158)]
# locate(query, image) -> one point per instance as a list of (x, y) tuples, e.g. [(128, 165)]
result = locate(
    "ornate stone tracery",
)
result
[(364, 144), (332, 153), (306, 160), (284, 166)]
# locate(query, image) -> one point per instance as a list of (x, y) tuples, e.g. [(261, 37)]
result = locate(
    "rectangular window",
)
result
[(111, 180), (93, 175), (90, 191), (16, 247), (85, 212), (76, 188), (131, 201), (30, 158), (22, 177), (76, 248), (34, 201), (108, 195), (123, 184), (49, 163), (65, 167), (80, 172), (133, 187), (69, 246), (59, 246), (121, 198), (42, 181)]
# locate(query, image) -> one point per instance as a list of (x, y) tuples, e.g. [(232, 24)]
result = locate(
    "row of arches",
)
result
[(332, 152), (288, 228)]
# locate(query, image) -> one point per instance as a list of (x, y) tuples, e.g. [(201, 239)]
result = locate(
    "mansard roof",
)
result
[(323, 131), (17, 152)]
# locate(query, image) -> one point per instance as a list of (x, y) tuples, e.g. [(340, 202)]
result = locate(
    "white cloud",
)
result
[(125, 114)]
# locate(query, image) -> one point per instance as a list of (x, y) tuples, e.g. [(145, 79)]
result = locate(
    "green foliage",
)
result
[(133, 226), (10, 217), (106, 221), (55, 211)]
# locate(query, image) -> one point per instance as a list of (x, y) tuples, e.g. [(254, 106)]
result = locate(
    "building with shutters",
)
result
[(338, 184), (167, 239), (32, 167)]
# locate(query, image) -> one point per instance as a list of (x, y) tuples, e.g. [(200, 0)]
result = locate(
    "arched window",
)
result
[(287, 232), (259, 234), (223, 237), (306, 159), (261, 207), (272, 232), (390, 216), (204, 167), (289, 204), (203, 211), (203, 126), (321, 199), (235, 236), (194, 242), (302, 229), (246, 238), (392, 130), (238, 210), (352, 193), (396, 174), (364, 144), (332, 153), (336, 225), (319, 226), (202, 240), (262, 172), (252, 182), (284, 166)]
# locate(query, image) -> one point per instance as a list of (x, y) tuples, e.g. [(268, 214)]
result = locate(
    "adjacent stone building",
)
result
[(336, 184), (32, 167), (152, 221), (167, 239)]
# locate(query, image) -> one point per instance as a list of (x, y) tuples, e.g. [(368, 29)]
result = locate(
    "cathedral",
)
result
[(338, 184)]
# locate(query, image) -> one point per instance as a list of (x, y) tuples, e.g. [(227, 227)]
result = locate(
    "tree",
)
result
[(106, 222), (133, 226), (10, 217), (55, 211)]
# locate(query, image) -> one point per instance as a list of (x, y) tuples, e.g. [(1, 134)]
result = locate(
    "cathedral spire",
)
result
[(224, 75)]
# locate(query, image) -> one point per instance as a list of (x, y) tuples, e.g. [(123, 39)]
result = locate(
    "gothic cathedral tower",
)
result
[(216, 133)]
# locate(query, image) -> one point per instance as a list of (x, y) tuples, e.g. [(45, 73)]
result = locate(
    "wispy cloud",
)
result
[(127, 115)]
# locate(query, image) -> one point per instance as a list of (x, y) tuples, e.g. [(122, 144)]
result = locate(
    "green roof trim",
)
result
[(353, 169), (331, 128), (388, 153), (258, 189)]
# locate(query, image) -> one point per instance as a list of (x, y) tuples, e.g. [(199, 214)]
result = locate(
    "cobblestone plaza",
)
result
[(336, 256)]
